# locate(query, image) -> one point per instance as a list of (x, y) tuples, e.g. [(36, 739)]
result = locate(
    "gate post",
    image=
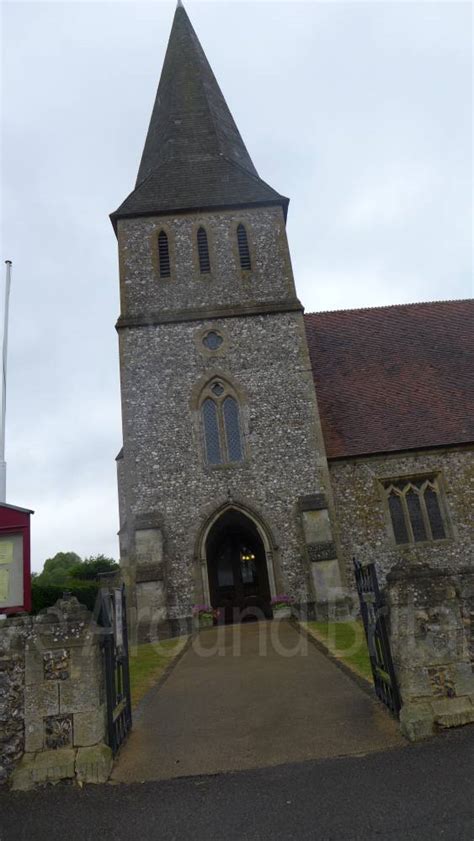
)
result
[(431, 628), (63, 704)]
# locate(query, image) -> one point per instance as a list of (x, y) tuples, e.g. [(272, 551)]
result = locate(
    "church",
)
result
[(264, 447)]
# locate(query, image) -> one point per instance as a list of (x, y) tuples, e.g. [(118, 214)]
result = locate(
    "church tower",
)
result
[(223, 481)]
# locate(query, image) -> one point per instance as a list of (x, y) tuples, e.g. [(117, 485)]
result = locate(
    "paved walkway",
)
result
[(251, 696)]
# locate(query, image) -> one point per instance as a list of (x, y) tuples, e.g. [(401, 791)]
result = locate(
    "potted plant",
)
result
[(281, 606), (204, 614)]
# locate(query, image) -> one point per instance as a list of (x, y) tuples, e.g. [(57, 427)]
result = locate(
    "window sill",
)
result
[(231, 465), (171, 278), (427, 544)]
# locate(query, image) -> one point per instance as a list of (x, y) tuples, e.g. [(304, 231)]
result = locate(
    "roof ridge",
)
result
[(197, 47), (246, 171), (256, 178), (395, 306)]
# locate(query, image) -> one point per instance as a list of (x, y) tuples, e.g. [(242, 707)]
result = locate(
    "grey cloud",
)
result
[(361, 113)]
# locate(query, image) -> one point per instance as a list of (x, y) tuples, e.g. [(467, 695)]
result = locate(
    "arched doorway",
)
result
[(237, 569)]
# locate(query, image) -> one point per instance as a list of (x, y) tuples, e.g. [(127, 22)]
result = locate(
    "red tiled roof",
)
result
[(394, 378)]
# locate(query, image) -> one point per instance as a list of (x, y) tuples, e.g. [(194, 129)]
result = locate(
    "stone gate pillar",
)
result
[(55, 696), (432, 639)]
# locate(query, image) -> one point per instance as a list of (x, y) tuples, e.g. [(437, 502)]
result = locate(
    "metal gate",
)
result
[(374, 613), (112, 616)]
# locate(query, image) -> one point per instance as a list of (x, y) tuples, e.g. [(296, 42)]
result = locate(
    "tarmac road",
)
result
[(422, 792)]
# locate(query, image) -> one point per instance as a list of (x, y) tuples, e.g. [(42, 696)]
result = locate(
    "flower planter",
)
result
[(281, 606), (282, 612), (204, 615), (206, 621)]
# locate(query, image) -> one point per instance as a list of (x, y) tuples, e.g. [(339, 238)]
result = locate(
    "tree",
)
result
[(90, 568), (56, 570)]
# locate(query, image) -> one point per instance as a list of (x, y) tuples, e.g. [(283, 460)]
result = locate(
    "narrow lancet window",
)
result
[(222, 426), (232, 429), (203, 252), (164, 255), (211, 431), (244, 251)]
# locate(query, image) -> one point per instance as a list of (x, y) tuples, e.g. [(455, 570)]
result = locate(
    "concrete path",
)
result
[(251, 696)]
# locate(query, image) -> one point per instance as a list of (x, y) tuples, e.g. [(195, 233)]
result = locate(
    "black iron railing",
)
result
[(374, 616), (112, 616)]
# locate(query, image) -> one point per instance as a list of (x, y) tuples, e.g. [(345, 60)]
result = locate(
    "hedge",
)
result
[(45, 595)]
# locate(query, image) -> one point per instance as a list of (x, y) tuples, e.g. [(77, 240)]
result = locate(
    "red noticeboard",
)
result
[(15, 577)]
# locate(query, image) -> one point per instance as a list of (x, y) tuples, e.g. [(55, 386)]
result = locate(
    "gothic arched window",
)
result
[(220, 415), (164, 255), (243, 246), (203, 251), (415, 508)]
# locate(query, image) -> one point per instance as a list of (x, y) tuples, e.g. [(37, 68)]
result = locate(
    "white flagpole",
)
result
[(3, 466)]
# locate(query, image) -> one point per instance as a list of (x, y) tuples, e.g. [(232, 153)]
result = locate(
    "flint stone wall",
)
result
[(363, 520), (432, 641), (12, 692), (164, 483), (144, 292), (52, 700), (164, 449)]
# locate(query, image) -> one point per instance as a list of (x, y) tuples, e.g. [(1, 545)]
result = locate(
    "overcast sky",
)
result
[(359, 112)]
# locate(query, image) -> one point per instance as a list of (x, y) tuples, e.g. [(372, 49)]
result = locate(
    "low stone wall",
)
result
[(52, 699), (12, 693), (432, 639)]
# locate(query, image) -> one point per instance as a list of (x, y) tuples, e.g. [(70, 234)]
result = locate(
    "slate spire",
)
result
[(194, 156)]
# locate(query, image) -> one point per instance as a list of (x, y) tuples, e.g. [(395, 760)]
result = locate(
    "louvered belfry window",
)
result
[(416, 510), (220, 415), (164, 255), (243, 245), (203, 252)]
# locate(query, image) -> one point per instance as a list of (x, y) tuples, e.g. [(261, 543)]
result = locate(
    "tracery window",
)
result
[(164, 255), (416, 509), (212, 340), (203, 251), (220, 413), (243, 246)]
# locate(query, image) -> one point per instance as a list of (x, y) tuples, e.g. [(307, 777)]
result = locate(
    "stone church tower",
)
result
[(223, 481)]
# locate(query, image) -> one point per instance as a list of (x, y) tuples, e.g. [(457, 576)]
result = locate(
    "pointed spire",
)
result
[(194, 156)]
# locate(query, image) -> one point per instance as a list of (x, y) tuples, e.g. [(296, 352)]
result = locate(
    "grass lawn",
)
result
[(148, 662), (346, 641)]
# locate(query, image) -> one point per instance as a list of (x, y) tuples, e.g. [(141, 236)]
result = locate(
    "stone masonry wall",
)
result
[(167, 490), (52, 705), (363, 520), (144, 292), (12, 695), (164, 449), (432, 641)]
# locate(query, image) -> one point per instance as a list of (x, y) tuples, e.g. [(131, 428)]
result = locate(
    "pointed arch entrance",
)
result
[(238, 564)]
